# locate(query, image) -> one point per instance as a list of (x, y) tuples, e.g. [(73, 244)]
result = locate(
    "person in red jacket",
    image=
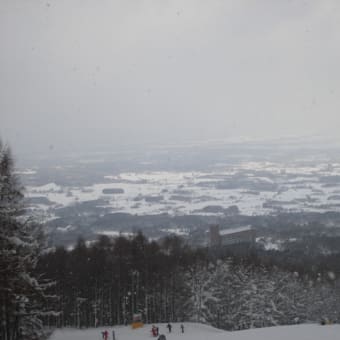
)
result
[(105, 335), (154, 330)]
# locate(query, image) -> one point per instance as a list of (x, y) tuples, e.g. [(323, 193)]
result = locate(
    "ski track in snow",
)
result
[(203, 332)]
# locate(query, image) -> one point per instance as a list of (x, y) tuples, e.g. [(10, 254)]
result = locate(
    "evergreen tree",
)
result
[(20, 245)]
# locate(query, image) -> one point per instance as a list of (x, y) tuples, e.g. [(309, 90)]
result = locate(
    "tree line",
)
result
[(106, 282), (109, 281)]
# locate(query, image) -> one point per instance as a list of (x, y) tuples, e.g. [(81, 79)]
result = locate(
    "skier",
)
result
[(154, 330), (113, 335), (169, 327), (162, 337), (105, 335), (182, 328)]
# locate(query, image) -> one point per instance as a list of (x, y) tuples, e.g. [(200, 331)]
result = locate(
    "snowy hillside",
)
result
[(202, 332)]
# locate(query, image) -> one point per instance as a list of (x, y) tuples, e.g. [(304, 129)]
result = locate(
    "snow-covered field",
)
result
[(202, 332), (256, 188)]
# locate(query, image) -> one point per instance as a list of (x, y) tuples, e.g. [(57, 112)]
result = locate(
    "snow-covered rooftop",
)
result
[(235, 230)]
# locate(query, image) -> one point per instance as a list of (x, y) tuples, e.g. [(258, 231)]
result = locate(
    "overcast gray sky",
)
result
[(75, 73)]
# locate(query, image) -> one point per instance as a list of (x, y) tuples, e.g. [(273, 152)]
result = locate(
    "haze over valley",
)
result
[(166, 187)]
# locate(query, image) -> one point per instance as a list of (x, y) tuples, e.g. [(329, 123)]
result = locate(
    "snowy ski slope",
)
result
[(203, 332)]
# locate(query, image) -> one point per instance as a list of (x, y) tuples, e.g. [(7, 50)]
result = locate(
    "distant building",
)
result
[(231, 236)]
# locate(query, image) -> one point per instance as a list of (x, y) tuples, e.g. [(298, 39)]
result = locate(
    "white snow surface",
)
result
[(235, 230), (113, 233), (25, 172), (296, 188), (196, 331)]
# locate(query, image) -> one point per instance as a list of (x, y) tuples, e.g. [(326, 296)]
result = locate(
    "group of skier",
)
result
[(155, 330)]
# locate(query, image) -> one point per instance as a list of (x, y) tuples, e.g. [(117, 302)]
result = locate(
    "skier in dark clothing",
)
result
[(162, 337), (182, 328), (169, 327)]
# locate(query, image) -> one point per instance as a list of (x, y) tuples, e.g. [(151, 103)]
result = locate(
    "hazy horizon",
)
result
[(81, 75)]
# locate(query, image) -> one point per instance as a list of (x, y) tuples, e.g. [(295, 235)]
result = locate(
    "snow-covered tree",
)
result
[(239, 295), (20, 245)]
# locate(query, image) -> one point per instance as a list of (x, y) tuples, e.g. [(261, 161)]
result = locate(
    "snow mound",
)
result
[(49, 187), (195, 331)]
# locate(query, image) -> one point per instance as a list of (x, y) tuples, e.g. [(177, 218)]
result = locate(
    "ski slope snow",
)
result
[(195, 331)]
